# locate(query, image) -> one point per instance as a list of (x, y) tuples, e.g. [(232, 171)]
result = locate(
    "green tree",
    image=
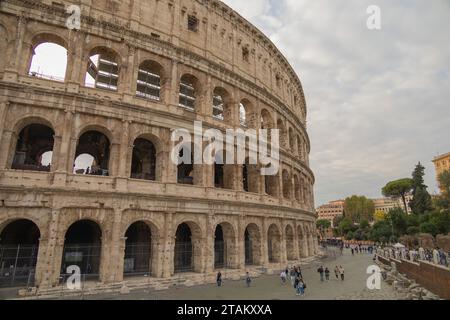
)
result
[(429, 227), (345, 226), (359, 208), (421, 201), (323, 225), (398, 220), (398, 189), (381, 231)]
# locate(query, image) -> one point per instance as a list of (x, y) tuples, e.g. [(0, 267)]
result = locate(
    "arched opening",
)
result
[(297, 188), (287, 185), (149, 82), (186, 168), (34, 148), (143, 164), (189, 90), (283, 133), (252, 245), (218, 175), (266, 120), (242, 115), (49, 61), (82, 247), (187, 257), (247, 116), (274, 244), (292, 142), (19, 245), (92, 154), (224, 247), (3, 48), (290, 243), (222, 109), (271, 185), (302, 245), (103, 69), (300, 148), (223, 173), (138, 250), (250, 177)]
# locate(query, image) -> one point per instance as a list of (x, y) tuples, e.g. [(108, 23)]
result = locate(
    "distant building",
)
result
[(441, 163), (331, 210), (386, 204)]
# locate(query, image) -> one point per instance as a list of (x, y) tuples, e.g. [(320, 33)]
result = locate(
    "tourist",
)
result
[(283, 276), (336, 272), (293, 275), (321, 272), (299, 272), (219, 279), (327, 274), (302, 287), (353, 251), (248, 280), (342, 272)]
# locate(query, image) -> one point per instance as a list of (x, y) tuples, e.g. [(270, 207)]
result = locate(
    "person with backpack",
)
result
[(327, 274), (321, 272)]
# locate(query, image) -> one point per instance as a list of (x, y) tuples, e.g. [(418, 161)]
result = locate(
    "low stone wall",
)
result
[(434, 278)]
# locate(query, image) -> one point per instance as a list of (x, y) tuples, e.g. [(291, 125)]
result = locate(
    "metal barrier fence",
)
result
[(17, 265)]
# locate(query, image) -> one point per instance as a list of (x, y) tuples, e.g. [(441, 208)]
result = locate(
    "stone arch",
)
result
[(289, 236), (188, 249), (250, 177), (302, 242), (152, 80), (283, 133), (274, 243), (190, 91), (297, 188), (103, 68), (266, 120), (59, 47), (19, 247), (83, 241), (93, 151), (222, 105), (223, 172), (141, 248), (292, 141), (247, 113), (17, 158), (144, 161), (225, 246), (252, 244), (287, 184)]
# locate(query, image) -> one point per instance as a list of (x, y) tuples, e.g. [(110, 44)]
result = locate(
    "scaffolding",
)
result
[(17, 265)]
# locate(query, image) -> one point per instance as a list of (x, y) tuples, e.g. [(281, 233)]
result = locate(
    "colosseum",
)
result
[(86, 177)]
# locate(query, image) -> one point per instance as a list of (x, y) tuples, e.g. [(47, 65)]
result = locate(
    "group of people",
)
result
[(360, 249), (324, 273), (296, 278), (436, 256), (219, 280)]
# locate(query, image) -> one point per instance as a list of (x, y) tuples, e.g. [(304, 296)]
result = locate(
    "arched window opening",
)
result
[(19, 245), (82, 247), (290, 243), (186, 170), (49, 62), (286, 185), (274, 244), (218, 107), (297, 188), (34, 148), (184, 249), (138, 250), (92, 154), (149, 81), (242, 115), (188, 92), (292, 140), (252, 245), (219, 248), (143, 165), (103, 70)]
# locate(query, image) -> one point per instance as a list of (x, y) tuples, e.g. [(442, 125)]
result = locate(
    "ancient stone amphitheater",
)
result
[(85, 171)]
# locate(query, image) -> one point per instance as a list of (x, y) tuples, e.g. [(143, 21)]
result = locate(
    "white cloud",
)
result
[(378, 100)]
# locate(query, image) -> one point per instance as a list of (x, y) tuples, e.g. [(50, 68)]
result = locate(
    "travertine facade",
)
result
[(201, 48)]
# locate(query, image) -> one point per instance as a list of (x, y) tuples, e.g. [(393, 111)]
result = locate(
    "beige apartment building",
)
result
[(441, 164)]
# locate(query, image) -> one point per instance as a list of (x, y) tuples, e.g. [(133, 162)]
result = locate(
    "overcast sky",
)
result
[(378, 101)]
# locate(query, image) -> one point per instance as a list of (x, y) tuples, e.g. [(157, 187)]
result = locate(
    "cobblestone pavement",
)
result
[(271, 288)]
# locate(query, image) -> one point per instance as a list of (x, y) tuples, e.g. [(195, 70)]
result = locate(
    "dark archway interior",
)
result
[(97, 145), (219, 248), (186, 170), (245, 177), (218, 176), (252, 245), (19, 245), (143, 165), (82, 247), (34, 140), (184, 252), (138, 249)]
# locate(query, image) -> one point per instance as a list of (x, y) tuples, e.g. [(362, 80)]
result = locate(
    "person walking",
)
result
[(327, 274), (292, 274), (248, 280), (336, 272), (342, 272), (321, 272), (219, 279), (283, 276), (301, 287), (297, 289)]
